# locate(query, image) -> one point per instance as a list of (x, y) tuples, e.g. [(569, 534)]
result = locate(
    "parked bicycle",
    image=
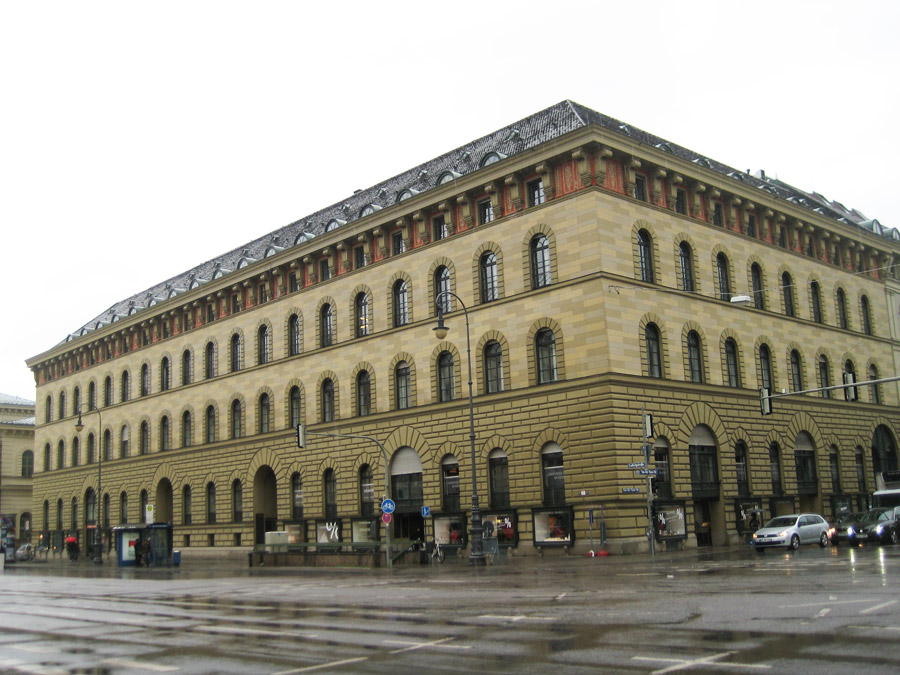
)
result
[(437, 552)]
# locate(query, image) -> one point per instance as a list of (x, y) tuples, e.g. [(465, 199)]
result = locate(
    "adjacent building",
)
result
[(16, 466), (588, 272)]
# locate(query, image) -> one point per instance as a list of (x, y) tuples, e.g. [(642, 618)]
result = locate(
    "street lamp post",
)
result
[(98, 546), (476, 534)]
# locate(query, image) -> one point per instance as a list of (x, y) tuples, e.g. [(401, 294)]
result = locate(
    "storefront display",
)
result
[(503, 525), (553, 526), (748, 516), (450, 530), (365, 530), (328, 532), (670, 524)]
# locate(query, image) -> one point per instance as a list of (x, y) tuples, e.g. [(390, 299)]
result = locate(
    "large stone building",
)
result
[(597, 265), (16, 466)]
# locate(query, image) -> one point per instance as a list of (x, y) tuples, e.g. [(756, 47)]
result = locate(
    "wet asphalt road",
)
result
[(812, 611)]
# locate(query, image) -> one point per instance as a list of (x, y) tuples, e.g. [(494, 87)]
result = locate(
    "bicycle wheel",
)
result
[(439, 554)]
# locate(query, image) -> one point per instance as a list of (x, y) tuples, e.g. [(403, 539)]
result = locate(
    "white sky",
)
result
[(140, 139)]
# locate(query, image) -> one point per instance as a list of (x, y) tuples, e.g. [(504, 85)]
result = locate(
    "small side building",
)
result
[(16, 465)]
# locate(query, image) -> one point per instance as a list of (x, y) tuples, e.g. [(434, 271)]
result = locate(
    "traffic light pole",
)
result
[(765, 398)]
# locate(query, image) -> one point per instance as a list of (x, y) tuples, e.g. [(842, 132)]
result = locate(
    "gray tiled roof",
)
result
[(24, 422), (9, 399), (511, 140)]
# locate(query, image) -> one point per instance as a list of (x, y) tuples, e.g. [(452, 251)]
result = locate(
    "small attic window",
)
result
[(492, 158), (304, 237), (702, 161), (406, 194), (272, 250), (448, 176), (242, 263), (333, 224), (368, 210), (220, 272), (664, 146)]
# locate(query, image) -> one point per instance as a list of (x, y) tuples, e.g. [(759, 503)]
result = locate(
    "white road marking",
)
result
[(560, 596), (877, 607), (321, 666), (228, 630), (140, 665), (712, 659), (828, 602), (419, 645), (514, 617), (822, 612)]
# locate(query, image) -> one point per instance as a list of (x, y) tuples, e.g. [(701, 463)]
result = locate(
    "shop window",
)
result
[(330, 493), (402, 385), (554, 483), (490, 290), (450, 483), (498, 471), (545, 356), (363, 393), (535, 191), (787, 293), (645, 256), (540, 261), (759, 298), (366, 491), (552, 527), (445, 377), (731, 363), (493, 367), (401, 303)]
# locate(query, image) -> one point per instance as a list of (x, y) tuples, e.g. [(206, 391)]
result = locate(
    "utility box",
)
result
[(276, 540)]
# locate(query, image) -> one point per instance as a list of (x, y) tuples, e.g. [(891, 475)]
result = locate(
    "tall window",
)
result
[(740, 465), (324, 270), (488, 267), (445, 376), (816, 299), (485, 212), (236, 415), (759, 299), (366, 491), (294, 404), (874, 389), (686, 261), (237, 501), (211, 503), (363, 393), (640, 188), (76, 451), (126, 386), (107, 445), (722, 273), (787, 292), (442, 285), (164, 433), (91, 449), (27, 464), (398, 245), (850, 393), (296, 497), (498, 470), (535, 191), (681, 201), (439, 227), (263, 345), (236, 352), (330, 490), (545, 356), (293, 335), (328, 400), (187, 429), (92, 396), (654, 351), (645, 255), (210, 434), (401, 303), (209, 361), (554, 482), (765, 367), (450, 483), (144, 439), (824, 375), (731, 363), (842, 308), (860, 470), (264, 414), (326, 325), (493, 367), (540, 261), (186, 367), (361, 305), (145, 380), (695, 357), (796, 371), (62, 405), (61, 455), (165, 374), (186, 510), (402, 385), (866, 315), (834, 470)]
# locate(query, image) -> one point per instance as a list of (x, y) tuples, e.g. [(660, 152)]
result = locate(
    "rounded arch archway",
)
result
[(265, 503), (163, 508), (884, 451)]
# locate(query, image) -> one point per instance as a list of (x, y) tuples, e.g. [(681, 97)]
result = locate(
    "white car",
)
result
[(791, 531)]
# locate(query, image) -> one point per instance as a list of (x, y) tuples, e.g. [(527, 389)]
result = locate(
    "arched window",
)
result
[(328, 400), (293, 335), (209, 361), (237, 501), (91, 449), (124, 440), (695, 357), (834, 468), (874, 389), (27, 464), (211, 503), (363, 393), (445, 377), (76, 451), (884, 450), (187, 429), (654, 351), (366, 491), (237, 414), (741, 469), (686, 261), (326, 325), (361, 308), (842, 308), (165, 374), (759, 298), (850, 393), (236, 352), (645, 256), (187, 367), (662, 484), (540, 261), (210, 434), (296, 497), (263, 345), (329, 484), (498, 477), (450, 483), (164, 439), (816, 300), (866, 315), (731, 363), (107, 391), (62, 405), (47, 457), (76, 400), (722, 274), (401, 303), (554, 482), (493, 367), (48, 410), (704, 464), (294, 406), (186, 506), (92, 396), (796, 371), (787, 292), (487, 265), (824, 375), (442, 286), (145, 380), (765, 367), (144, 501), (145, 439), (264, 414), (545, 356), (805, 463), (402, 385), (126, 386), (107, 445), (860, 464)]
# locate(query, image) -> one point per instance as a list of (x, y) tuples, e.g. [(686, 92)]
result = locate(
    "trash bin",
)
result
[(176, 557)]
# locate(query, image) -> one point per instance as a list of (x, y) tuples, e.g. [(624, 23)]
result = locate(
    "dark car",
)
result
[(879, 526), (846, 528)]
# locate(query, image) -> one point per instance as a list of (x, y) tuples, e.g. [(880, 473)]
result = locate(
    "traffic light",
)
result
[(301, 435), (765, 403)]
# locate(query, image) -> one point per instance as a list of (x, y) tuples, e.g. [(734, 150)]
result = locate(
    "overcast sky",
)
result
[(140, 139)]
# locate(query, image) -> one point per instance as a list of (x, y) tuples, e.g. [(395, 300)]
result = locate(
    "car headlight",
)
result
[(879, 530), (850, 531), (755, 536), (831, 531), (783, 533)]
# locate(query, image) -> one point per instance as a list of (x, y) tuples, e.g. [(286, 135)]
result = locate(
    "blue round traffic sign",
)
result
[(388, 506)]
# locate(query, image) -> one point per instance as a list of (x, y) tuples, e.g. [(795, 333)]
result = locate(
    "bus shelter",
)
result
[(143, 545)]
